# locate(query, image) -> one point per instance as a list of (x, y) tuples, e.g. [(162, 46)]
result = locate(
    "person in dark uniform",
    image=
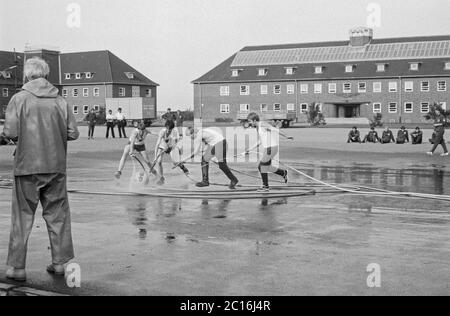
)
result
[(372, 137), (91, 119), (387, 137), (354, 136), (439, 128), (402, 136), (417, 136)]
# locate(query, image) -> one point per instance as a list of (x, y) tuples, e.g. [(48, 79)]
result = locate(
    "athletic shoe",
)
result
[(264, 189), (286, 177), (161, 181), (233, 184), (202, 184), (444, 154), (18, 275), (184, 169), (429, 153), (56, 269), (118, 174)]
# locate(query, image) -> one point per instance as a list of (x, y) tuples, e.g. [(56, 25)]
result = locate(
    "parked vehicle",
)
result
[(134, 109)]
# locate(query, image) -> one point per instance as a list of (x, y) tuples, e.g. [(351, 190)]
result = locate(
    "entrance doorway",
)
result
[(348, 110)]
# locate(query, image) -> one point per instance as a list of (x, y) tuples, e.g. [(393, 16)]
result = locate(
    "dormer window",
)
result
[(236, 72), (88, 75), (381, 67), (130, 75), (7, 75), (78, 75), (290, 70), (262, 72), (447, 65), (414, 66), (68, 76), (318, 69), (349, 68)]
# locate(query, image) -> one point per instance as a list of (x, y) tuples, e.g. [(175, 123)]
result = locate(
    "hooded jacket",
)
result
[(39, 120)]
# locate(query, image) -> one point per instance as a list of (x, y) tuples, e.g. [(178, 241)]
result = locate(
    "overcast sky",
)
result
[(175, 41)]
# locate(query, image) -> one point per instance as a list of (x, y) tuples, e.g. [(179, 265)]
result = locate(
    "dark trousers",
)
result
[(110, 126), (51, 191), (416, 140), (355, 139), (91, 130), (439, 140), (121, 127), (220, 152)]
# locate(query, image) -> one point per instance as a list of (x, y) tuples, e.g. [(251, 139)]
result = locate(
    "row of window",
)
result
[(408, 107), (349, 68), (347, 87), (276, 107), (90, 75), (96, 92), (86, 109)]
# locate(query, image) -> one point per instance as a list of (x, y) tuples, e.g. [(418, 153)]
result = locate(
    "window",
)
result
[(409, 86), (424, 107), (447, 65), (235, 72), (303, 107), (320, 107), (85, 92), (85, 109), (75, 93), (148, 93), (5, 92), (414, 66), (245, 90), (304, 88), (317, 88), (121, 92), (290, 71), (362, 87), (377, 87), (318, 69), (349, 68), (96, 108), (75, 109), (347, 87), (442, 86), (68, 76), (393, 107), (392, 86), (443, 105), (381, 67), (409, 107), (262, 72), (264, 107), (65, 93), (377, 108), (88, 75), (78, 75), (224, 108), (277, 107), (225, 90), (277, 89), (425, 86), (130, 75), (7, 75), (290, 89), (290, 107), (332, 88), (264, 89), (245, 107)]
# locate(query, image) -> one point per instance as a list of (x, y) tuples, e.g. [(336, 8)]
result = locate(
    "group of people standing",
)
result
[(118, 120)]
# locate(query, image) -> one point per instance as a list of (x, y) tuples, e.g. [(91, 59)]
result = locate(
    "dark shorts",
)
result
[(139, 148)]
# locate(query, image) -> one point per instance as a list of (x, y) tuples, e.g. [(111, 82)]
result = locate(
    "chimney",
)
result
[(361, 36)]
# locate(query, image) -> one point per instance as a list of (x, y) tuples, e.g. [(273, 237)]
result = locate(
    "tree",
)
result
[(432, 115), (315, 115), (377, 120)]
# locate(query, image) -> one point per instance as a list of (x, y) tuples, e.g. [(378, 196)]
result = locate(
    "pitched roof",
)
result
[(104, 66), (432, 51)]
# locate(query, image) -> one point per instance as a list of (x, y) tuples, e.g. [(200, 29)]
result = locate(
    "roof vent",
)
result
[(361, 36)]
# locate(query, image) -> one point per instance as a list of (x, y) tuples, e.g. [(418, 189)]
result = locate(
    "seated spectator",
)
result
[(417, 136), (402, 136), (354, 136), (372, 137), (387, 136)]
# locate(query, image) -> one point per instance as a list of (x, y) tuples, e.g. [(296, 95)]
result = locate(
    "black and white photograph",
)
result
[(222, 154)]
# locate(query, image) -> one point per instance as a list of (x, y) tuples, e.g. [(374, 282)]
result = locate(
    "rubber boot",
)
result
[(205, 174)]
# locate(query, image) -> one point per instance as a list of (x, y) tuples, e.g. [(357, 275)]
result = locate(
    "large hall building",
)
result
[(350, 80), (85, 79)]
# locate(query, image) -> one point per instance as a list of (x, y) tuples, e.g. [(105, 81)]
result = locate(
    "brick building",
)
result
[(351, 80), (85, 79)]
